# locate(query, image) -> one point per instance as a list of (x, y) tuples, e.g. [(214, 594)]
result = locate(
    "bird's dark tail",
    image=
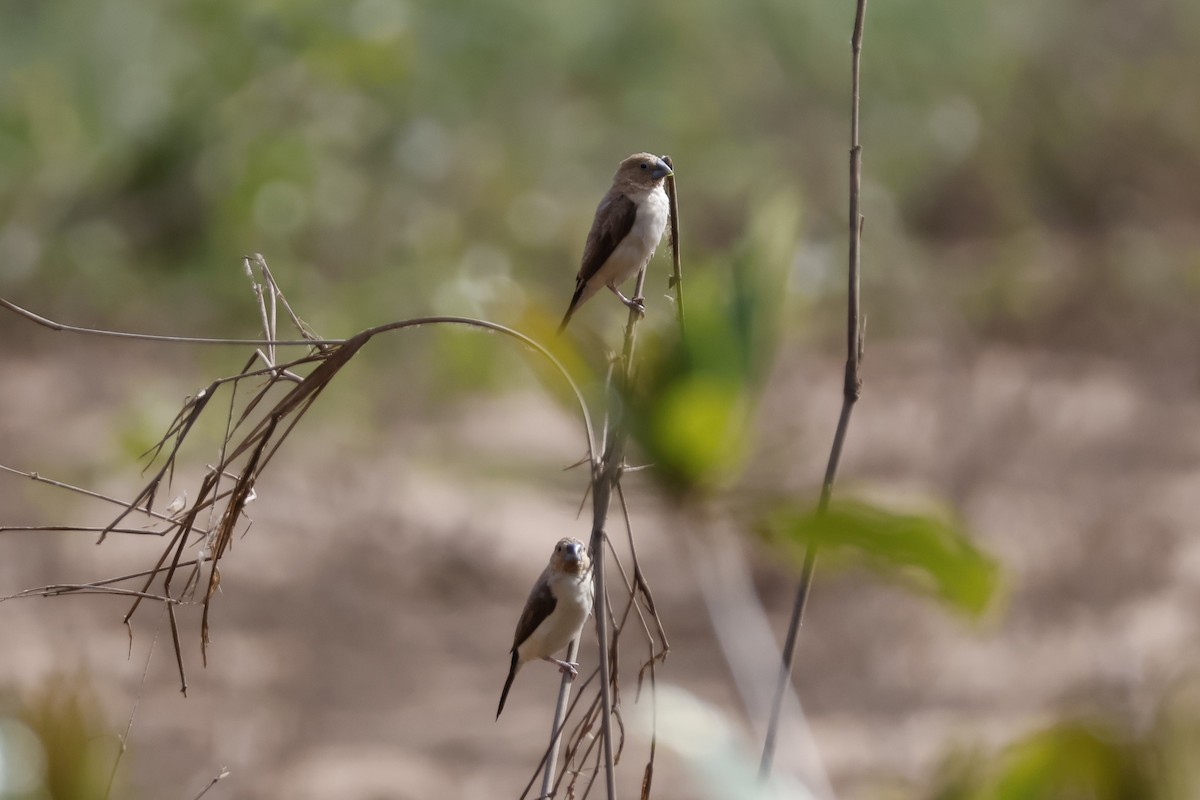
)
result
[(562, 326), (512, 673)]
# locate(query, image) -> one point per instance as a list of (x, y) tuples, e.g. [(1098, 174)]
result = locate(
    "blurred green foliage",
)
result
[(696, 389), (1097, 759), (1106, 757), (923, 551), (52, 745), (392, 158)]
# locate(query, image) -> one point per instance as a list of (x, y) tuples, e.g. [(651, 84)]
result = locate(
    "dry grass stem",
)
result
[(224, 773), (851, 388), (606, 473), (254, 431)]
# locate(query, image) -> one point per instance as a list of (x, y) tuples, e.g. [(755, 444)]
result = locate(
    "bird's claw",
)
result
[(635, 304), (565, 667)]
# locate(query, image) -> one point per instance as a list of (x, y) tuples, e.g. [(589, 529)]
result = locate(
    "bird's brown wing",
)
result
[(614, 220), (540, 604)]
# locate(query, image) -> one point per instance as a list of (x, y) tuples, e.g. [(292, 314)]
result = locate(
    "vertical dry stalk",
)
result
[(605, 478), (560, 711), (851, 388), (676, 281), (606, 473)]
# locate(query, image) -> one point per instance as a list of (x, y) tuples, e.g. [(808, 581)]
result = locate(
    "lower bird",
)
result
[(629, 224), (559, 604)]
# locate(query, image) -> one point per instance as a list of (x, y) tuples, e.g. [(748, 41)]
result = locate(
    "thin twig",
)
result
[(79, 490), (572, 740), (56, 589), (179, 429), (605, 475), (137, 701), (224, 773), (601, 492), (676, 280), (648, 771), (605, 472), (360, 337), (150, 337), (640, 583), (851, 388), (301, 326), (560, 710), (79, 529)]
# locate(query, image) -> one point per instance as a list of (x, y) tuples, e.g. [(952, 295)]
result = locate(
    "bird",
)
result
[(558, 605), (628, 226)]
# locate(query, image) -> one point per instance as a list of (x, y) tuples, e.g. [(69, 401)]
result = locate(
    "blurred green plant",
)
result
[(53, 745), (1104, 758), (696, 390), (922, 551)]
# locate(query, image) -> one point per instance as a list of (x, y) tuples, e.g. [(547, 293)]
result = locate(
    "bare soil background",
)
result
[(360, 638)]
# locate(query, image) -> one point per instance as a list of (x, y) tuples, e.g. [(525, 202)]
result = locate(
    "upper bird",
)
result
[(559, 604), (629, 224)]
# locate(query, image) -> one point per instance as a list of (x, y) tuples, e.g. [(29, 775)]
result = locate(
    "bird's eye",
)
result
[(645, 165)]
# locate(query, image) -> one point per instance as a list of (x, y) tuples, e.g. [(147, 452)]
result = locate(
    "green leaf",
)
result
[(696, 429), (1071, 760), (693, 396), (924, 551)]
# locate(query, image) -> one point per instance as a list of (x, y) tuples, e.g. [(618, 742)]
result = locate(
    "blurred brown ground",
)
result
[(360, 638)]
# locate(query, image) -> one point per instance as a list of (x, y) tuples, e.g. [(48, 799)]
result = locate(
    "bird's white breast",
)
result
[(651, 220), (636, 249), (574, 604)]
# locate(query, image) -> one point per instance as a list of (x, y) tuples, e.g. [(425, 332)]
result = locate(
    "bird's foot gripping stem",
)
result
[(635, 304), (565, 667)]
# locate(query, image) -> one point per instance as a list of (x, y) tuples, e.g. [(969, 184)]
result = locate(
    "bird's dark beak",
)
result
[(661, 170), (574, 554)]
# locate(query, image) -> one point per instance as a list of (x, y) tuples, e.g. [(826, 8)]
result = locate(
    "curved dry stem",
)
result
[(496, 327), (323, 343), (151, 337), (243, 459)]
